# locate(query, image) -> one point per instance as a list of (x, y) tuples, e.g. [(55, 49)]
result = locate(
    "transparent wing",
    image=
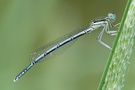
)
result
[(59, 50)]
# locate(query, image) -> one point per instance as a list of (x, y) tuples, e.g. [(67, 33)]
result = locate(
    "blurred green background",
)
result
[(25, 25)]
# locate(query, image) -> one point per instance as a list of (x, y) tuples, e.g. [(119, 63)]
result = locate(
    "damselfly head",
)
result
[(111, 16)]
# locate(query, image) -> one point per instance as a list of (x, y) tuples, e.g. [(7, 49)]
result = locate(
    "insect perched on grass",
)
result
[(65, 40)]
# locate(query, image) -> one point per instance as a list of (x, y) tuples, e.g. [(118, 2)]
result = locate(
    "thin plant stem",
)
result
[(114, 75)]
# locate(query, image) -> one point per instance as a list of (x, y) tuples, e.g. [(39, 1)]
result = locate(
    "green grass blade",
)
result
[(114, 74)]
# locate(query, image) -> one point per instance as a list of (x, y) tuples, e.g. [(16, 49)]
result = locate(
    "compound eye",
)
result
[(111, 16)]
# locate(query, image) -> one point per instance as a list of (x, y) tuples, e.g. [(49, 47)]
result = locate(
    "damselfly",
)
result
[(61, 42)]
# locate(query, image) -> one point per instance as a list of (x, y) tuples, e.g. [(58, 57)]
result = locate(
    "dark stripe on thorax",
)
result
[(99, 20)]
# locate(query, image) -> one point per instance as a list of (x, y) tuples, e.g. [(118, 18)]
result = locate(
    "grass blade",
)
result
[(114, 74)]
